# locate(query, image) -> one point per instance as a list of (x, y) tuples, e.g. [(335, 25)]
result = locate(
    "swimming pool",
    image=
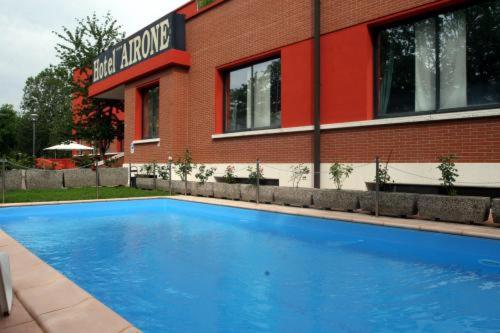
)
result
[(168, 265)]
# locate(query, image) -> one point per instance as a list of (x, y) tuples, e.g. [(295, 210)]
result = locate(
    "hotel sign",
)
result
[(162, 35)]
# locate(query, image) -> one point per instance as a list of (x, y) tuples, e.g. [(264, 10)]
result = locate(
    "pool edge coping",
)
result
[(53, 301), (481, 231)]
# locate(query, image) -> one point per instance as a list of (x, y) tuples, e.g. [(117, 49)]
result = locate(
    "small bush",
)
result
[(339, 173), (449, 173), (184, 167), (204, 173), (203, 3), (229, 175), (253, 174), (299, 173)]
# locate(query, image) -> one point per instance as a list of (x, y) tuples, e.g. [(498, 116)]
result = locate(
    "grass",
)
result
[(87, 193)]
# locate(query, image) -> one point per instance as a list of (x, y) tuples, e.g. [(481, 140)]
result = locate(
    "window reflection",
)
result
[(464, 45)]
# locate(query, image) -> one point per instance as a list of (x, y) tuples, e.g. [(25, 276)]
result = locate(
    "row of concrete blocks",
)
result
[(53, 179), (459, 209)]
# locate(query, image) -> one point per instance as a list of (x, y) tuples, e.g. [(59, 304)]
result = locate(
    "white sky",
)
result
[(26, 38)]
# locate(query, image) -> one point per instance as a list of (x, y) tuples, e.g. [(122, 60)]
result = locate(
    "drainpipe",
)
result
[(317, 94)]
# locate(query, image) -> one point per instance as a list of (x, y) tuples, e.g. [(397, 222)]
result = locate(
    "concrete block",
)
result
[(294, 196), (13, 180), (204, 190), (390, 203), (112, 177), (495, 208), (227, 191), (44, 179), (145, 183), (79, 178), (249, 193), (178, 187), (341, 200), (461, 209)]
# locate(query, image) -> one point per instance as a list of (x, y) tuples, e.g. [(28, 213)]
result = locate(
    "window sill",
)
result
[(263, 132), (146, 141), (416, 119), (368, 123)]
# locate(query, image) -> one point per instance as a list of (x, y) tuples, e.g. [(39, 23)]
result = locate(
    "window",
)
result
[(450, 61), (253, 97), (150, 106)]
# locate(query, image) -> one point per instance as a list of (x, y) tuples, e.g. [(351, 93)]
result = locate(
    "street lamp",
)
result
[(34, 118)]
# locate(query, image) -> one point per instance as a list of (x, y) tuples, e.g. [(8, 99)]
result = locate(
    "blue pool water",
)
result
[(170, 266)]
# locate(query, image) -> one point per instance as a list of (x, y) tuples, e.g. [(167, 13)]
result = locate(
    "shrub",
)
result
[(253, 174), (164, 173), (204, 174), (382, 174), (339, 173), (184, 166), (299, 173), (449, 173), (203, 3), (229, 175), (149, 169)]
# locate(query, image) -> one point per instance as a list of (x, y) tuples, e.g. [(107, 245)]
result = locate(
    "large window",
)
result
[(253, 97), (150, 106), (446, 62)]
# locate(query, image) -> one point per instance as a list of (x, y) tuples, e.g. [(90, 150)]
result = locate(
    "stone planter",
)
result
[(13, 180), (178, 187), (390, 203), (112, 177), (249, 193), (341, 200), (203, 190), (227, 191), (79, 178), (145, 183), (44, 179), (459, 209), (294, 196), (495, 208)]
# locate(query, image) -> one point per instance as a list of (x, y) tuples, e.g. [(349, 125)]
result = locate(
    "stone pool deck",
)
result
[(46, 301)]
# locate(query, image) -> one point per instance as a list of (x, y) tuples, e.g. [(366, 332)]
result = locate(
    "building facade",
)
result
[(233, 82)]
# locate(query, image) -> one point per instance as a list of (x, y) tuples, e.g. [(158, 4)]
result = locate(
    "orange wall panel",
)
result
[(297, 84), (346, 75)]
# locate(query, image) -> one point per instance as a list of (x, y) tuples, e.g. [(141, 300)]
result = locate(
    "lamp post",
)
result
[(34, 118)]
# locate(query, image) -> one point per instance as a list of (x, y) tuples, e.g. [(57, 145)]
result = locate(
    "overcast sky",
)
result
[(26, 38)]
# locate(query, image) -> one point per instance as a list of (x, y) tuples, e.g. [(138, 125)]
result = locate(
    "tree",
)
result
[(48, 95), (8, 124), (97, 121)]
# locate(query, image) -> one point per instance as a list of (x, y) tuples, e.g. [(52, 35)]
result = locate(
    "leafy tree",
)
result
[(8, 124), (97, 120), (48, 95)]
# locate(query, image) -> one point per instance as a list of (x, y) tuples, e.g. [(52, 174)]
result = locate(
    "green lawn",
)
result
[(87, 193)]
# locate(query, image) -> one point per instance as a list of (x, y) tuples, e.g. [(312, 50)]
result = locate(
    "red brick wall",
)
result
[(237, 29), (172, 120), (473, 140)]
